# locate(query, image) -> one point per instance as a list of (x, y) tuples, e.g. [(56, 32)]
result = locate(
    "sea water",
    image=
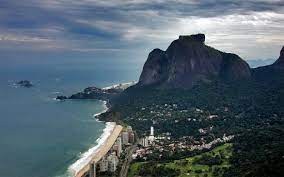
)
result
[(42, 137)]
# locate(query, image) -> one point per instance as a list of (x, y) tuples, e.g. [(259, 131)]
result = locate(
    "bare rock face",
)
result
[(188, 61), (155, 68), (234, 68), (193, 38)]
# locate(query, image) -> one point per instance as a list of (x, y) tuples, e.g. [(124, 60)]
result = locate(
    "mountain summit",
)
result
[(187, 61)]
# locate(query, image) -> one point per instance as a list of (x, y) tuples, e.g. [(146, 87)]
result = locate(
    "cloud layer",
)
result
[(250, 28)]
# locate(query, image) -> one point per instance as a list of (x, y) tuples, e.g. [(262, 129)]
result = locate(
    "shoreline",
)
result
[(85, 157), (106, 108)]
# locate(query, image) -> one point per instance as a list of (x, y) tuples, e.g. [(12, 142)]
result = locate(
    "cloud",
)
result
[(13, 38), (241, 26)]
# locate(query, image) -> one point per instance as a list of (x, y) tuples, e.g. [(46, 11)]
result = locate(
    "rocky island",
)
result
[(24, 83)]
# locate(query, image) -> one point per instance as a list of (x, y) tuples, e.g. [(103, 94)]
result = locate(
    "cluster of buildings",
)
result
[(145, 143), (148, 140), (224, 139), (164, 143), (128, 136), (110, 161), (161, 113)]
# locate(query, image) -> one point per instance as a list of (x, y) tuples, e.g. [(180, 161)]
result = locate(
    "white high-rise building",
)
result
[(152, 137), (152, 131), (118, 146), (112, 162), (125, 137), (119, 143), (145, 142), (103, 164)]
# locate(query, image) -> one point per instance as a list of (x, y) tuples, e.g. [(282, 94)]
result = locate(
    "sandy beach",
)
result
[(94, 154), (105, 142), (120, 85)]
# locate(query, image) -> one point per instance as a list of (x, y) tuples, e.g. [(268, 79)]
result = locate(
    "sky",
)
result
[(253, 29)]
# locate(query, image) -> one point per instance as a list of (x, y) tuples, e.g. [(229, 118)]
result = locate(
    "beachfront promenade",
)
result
[(90, 168)]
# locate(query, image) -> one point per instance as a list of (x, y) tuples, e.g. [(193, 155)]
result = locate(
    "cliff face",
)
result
[(188, 61)]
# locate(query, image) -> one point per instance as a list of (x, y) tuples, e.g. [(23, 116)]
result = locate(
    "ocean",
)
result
[(42, 137)]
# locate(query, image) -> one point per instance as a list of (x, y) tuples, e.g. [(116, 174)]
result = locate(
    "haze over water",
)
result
[(39, 136)]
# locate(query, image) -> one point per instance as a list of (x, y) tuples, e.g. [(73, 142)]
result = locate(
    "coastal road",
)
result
[(128, 159)]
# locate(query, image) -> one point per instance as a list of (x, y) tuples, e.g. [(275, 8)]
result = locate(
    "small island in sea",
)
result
[(25, 83)]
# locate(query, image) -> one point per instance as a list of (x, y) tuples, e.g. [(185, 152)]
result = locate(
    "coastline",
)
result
[(106, 108), (85, 157)]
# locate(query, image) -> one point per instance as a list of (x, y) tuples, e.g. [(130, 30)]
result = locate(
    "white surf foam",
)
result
[(104, 110), (86, 157)]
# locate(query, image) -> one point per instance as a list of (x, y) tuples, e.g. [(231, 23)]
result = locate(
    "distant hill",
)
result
[(271, 76), (260, 62)]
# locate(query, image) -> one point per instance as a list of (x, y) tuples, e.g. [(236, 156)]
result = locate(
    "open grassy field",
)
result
[(212, 163)]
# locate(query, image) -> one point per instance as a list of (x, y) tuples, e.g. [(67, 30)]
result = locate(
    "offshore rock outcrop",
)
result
[(24, 83)]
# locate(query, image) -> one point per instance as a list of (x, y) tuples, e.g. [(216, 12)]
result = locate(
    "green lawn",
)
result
[(205, 164), (134, 168)]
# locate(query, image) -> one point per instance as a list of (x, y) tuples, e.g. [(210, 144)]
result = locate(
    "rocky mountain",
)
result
[(250, 107), (187, 61)]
